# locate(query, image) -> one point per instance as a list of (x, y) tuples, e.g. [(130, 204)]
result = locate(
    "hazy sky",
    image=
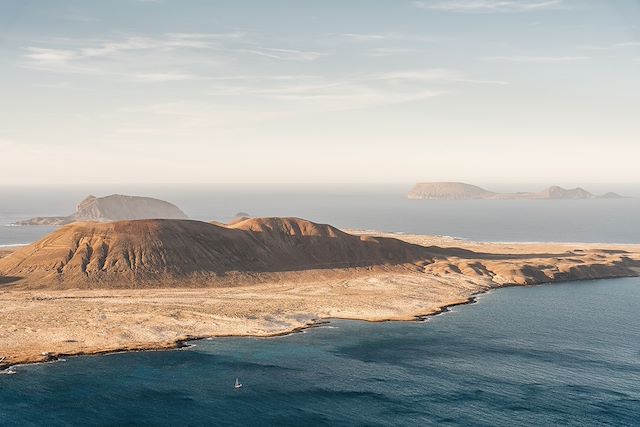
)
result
[(319, 91)]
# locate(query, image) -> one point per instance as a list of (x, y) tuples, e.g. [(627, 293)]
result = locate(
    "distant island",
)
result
[(115, 207), (462, 191), (97, 287)]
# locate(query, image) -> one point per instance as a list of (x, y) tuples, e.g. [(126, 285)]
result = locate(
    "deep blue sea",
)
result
[(563, 354)]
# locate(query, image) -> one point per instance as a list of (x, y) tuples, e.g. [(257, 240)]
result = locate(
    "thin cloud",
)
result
[(388, 51), (628, 44), (342, 95), (433, 74), (488, 6), (57, 60), (100, 56), (59, 85), (373, 37), (325, 95), (45, 55), (614, 46), (163, 77), (537, 59), (138, 57), (349, 92), (192, 119), (79, 17), (284, 54), (430, 75)]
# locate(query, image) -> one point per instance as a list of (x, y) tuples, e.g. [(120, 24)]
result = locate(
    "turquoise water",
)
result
[(564, 354)]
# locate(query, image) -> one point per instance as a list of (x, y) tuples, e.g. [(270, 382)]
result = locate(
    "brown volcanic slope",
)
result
[(181, 252)]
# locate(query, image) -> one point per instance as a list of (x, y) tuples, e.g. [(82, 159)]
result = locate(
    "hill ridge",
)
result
[(159, 250)]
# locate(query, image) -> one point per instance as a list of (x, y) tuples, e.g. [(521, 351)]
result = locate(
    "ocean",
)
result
[(562, 354), (383, 208)]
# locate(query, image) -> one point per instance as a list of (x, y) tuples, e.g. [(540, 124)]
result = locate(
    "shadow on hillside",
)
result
[(446, 252), (6, 280), (284, 252)]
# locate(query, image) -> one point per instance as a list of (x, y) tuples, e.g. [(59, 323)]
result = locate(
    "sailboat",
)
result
[(237, 385)]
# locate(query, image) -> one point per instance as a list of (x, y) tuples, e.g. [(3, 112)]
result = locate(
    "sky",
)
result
[(332, 91)]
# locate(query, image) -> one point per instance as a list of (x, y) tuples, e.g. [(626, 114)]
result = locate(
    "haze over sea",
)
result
[(380, 207)]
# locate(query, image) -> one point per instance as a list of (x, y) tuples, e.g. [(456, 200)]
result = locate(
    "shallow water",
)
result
[(565, 354)]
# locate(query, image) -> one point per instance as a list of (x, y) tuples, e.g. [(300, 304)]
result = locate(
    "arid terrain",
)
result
[(134, 293)]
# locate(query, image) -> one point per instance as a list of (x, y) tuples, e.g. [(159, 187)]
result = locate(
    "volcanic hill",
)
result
[(162, 253)]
